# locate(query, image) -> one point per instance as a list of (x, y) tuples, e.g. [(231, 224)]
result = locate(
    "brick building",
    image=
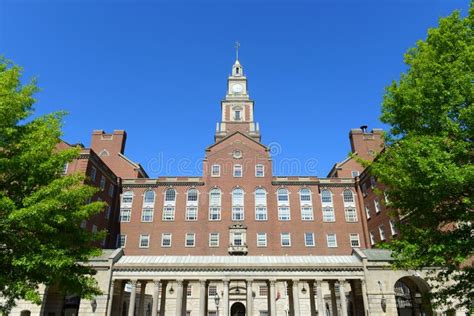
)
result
[(238, 240)]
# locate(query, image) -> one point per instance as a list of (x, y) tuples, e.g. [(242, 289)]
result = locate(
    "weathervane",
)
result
[(237, 45)]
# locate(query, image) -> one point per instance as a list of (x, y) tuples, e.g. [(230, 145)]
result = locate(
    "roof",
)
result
[(239, 261), (236, 132), (378, 254)]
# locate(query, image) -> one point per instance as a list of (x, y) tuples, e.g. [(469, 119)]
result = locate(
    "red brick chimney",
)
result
[(366, 144)]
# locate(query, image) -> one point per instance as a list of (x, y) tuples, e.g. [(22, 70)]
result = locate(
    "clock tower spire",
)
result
[(237, 107)]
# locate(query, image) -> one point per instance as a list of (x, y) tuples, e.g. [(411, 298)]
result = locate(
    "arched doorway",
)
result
[(411, 297), (237, 309)]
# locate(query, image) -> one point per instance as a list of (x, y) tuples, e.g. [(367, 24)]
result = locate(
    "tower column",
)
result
[(333, 298), (272, 298), (133, 295), (202, 297), (225, 303), (296, 296), (249, 297), (179, 297), (319, 296), (342, 296), (156, 293)]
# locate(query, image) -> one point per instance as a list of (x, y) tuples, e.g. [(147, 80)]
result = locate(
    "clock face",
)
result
[(237, 88)]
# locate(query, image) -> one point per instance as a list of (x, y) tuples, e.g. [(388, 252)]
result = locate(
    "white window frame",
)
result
[(307, 213), (215, 205), (306, 240), (261, 205), (145, 237), (261, 240), (259, 171), (363, 188), (328, 217), (125, 215), (377, 206), (212, 291), (382, 235), (147, 218), (283, 237), (189, 212), (354, 238), (355, 173), (163, 235), (284, 213), (233, 238), (238, 213), (193, 239), (350, 215), (237, 171), (329, 242), (119, 241), (367, 212), (214, 210), (129, 196), (149, 203), (372, 238), (393, 229), (211, 240), (168, 213), (168, 202), (218, 169)]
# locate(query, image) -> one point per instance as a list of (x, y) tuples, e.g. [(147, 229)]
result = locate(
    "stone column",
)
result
[(133, 295), (296, 297), (141, 302), (225, 299), (249, 297), (122, 294), (320, 298), (111, 297), (342, 296), (156, 294), (202, 298), (179, 297), (272, 298), (164, 285), (312, 296), (333, 298), (364, 297)]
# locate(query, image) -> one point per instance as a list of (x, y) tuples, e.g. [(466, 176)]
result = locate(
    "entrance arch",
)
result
[(237, 309), (411, 296)]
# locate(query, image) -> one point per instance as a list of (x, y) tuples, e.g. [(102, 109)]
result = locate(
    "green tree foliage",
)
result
[(41, 210), (427, 164)]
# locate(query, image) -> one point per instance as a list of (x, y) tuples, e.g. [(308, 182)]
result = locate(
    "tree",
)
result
[(427, 163), (41, 241)]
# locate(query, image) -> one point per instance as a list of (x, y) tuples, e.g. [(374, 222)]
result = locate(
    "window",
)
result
[(305, 196), (192, 196), (372, 238), (309, 239), (121, 241), (189, 292), (168, 213), (367, 212), (66, 166), (393, 228), (125, 215), (111, 190), (170, 196), (385, 195), (263, 313), (261, 239), (147, 215), (238, 204), (212, 290), (190, 239), (285, 239), (260, 205), (262, 290), (215, 205), (259, 171), (107, 212), (237, 171), (84, 224), (377, 206), (331, 240), (149, 197), (326, 196), (237, 239), (191, 213), (373, 182), (212, 313), (363, 187), (127, 198), (328, 214), (355, 242), (214, 240), (144, 241), (283, 213), (102, 183), (355, 173), (382, 232), (282, 197), (306, 213), (216, 171), (166, 240), (348, 196), (93, 173), (237, 116), (351, 215)]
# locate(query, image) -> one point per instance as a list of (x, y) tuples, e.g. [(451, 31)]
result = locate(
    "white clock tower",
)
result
[(237, 108)]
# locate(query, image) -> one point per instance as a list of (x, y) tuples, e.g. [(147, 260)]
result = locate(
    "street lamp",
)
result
[(216, 301)]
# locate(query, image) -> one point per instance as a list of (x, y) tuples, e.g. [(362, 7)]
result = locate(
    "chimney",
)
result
[(366, 144), (112, 144)]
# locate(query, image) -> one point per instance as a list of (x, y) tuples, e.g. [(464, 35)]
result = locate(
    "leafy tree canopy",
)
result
[(427, 164), (41, 210)]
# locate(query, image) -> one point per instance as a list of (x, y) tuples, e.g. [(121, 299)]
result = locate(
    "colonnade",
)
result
[(159, 302)]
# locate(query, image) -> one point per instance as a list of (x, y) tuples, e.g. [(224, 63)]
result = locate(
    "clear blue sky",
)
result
[(158, 69)]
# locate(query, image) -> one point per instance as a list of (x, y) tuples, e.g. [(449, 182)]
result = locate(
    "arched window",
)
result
[(326, 196), (127, 197), (192, 205), (348, 196), (305, 196), (149, 197), (170, 195), (215, 205), (237, 204), (192, 195), (282, 196), (260, 204), (283, 205)]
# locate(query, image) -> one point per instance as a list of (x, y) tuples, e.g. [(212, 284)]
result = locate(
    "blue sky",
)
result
[(158, 70)]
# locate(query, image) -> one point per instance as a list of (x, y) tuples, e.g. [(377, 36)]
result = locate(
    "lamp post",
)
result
[(216, 301)]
